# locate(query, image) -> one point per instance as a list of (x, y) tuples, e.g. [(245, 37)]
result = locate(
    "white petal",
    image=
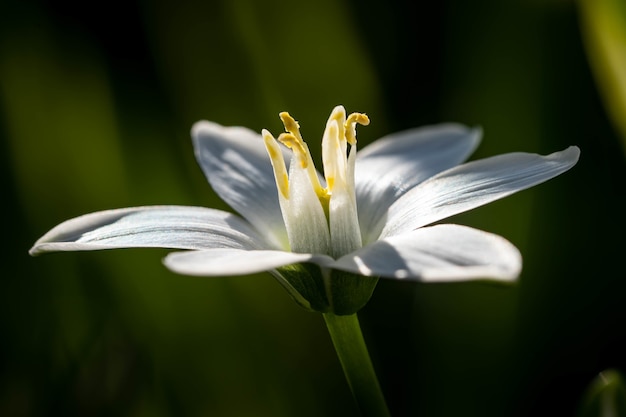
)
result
[(345, 233), (441, 253), (175, 227), (304, 215), (228, 262), (391, 166), (472, 185), (344, 227), (235, 162)]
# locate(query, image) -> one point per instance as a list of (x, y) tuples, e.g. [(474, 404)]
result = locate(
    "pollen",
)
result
[(291, 125), (297, 145), (350, 125)]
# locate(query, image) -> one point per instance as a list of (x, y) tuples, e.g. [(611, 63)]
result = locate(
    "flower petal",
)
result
[(228, 262), (176, 227), (442, 253), (391, 166), (235, 162), (472, 185), (303, 213), (344, 227)]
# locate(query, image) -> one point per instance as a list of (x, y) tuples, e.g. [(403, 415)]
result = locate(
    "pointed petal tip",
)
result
[(573, 152), (41, 246), (34, 251), (566, 158), (169, 227)]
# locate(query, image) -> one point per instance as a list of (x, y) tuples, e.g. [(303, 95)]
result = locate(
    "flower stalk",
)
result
[(349, 344)]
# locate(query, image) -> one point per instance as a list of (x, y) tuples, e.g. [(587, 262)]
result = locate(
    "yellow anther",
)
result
[(334, 147), (350, 125), (291, 125), (297, 146), (360, 118), (293, 140)]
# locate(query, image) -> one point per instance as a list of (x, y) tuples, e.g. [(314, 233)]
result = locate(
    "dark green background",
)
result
[(96, 102)]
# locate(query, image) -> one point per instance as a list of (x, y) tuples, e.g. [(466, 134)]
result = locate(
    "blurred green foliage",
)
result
[(96, 101), (605, 396), (603, 25)]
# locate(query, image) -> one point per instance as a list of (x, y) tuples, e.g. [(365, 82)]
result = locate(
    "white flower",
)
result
[(321, 237)]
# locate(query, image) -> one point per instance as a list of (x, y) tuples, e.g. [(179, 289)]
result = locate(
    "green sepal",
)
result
[(326, 290), (307, 281), (348, 292), (605, 396)]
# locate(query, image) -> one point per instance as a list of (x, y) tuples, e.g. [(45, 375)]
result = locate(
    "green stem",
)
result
[(347, 338)]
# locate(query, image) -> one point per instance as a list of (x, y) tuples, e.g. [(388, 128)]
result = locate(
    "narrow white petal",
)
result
[(472, 185), (391, 166), (228, 262), (176, 227), (344, 226), (334, 146), (442, 253), (303, 214), (236, 163), (345, 233)]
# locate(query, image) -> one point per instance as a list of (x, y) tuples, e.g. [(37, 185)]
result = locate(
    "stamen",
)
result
[(297, 145), (350, 125), (291, 125), (338, 233), (293, 140)]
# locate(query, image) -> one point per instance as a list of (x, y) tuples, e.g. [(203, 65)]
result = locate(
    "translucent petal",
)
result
[(343, 220), (439, 253), (304, 215), (235, 162), (229, 262), (391, 166), (176, 227), (474, 184)]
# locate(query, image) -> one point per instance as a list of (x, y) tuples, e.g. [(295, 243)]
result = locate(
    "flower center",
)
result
[(303, 198)]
